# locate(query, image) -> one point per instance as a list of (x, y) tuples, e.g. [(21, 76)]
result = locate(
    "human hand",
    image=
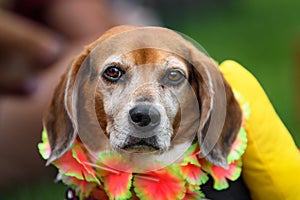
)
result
[(26, 49)]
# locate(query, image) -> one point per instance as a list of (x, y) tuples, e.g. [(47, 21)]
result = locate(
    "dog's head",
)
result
[(145, 95)]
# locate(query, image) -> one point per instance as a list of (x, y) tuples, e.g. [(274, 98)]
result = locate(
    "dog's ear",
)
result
[(57, 119), (221, 116)]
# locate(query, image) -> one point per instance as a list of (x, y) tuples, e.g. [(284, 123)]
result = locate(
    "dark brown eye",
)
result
[(112, 73), (174, 77)]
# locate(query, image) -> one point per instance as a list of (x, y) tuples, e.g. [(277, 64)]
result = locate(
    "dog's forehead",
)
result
[(148, 56), (142, 57)]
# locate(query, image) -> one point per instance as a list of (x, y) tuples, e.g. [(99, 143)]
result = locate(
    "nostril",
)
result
[(141, 119), (144, 115), (154, 116)]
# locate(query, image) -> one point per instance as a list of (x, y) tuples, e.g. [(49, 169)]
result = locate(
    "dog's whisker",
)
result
[(102, 167), (146, 178)]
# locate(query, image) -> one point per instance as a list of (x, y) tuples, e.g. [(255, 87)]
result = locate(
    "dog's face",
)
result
[(146, 97), (140, 93)]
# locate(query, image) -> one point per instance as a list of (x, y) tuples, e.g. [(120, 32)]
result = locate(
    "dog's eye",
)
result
[(112, 73), (174, 77)]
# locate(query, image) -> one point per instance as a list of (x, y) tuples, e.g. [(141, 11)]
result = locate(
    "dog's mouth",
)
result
[(141, 145)]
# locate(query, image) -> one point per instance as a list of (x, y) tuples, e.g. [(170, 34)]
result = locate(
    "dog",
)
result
[(143, 90), (145, 96)]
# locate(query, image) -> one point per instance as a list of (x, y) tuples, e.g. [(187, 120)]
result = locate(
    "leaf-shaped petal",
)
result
[(163, 184), (193, 195), (44, 146), (74, 163), (82, 188), (193, 174), (115, 175), (220, 174)]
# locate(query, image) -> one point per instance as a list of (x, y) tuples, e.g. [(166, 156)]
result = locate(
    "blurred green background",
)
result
[(261, 35)]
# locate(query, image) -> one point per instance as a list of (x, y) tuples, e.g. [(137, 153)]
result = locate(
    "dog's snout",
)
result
[(144, 116)]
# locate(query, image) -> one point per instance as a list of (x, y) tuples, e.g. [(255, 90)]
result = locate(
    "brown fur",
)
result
[(207, 83)]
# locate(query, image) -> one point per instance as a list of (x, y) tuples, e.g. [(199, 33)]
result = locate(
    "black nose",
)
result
[(144, 116)]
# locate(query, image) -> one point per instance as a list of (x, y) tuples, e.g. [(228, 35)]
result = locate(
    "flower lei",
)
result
[(181, 180)]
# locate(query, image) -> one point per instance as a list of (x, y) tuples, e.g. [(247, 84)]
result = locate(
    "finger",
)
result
[(34, 39)]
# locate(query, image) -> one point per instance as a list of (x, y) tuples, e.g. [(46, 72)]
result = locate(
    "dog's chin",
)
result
[(140, 145)]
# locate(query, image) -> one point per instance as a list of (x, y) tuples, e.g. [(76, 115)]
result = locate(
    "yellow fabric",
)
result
[(271, 163)]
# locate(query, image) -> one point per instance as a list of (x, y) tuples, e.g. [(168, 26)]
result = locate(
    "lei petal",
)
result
[(82, 188), (44, 146), (117, 183), (118, 186), (239, 146), (191, 155), (244, 105), (246, 110), (190, 168), (193, 194), (194, 149), (193, 174), (163, 184), (73, 163), (88, 172), (220, 174)]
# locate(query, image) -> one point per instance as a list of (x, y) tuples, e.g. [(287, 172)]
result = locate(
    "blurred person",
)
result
[(25, 49), (38, 40), (35, 49), (32, 35)]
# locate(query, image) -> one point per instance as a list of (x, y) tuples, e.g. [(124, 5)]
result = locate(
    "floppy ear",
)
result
[(57, 123), (221, 116), (57, 120)]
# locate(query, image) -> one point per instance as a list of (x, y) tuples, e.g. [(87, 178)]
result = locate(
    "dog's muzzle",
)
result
[(143, 119)]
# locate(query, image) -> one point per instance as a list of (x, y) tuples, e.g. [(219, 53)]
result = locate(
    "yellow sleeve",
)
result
[(271, 163)]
